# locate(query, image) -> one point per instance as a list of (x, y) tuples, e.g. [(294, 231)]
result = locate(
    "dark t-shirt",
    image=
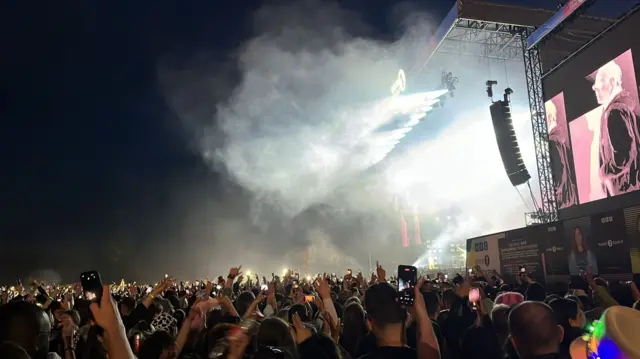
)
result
[(391, 353)]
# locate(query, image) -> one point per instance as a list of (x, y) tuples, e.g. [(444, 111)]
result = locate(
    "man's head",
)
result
[(608, 82), (552, 115), (126, 306), (26, 325), (383, 311), (536, 291), (432, 303), (448, 297), (534, 329), (243, 302)]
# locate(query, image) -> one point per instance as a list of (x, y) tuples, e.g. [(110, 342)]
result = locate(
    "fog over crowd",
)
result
[(295, 127)]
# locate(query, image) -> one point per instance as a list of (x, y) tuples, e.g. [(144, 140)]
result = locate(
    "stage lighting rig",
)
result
[(507, 92), (490, 84), (448, 81)]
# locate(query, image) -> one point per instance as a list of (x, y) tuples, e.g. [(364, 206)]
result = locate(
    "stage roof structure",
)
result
[(484, 30)]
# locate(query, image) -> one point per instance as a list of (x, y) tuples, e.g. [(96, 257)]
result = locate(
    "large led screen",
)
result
[(592, 108)]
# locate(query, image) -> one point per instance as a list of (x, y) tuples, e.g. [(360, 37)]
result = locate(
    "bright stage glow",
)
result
[(463, 168)]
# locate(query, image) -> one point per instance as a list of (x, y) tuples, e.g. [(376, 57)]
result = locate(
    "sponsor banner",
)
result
[(611, 247), (484, 252), (521, 248), (632, 224), (556, 250)]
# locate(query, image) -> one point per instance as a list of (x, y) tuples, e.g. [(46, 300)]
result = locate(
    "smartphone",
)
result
[(407, 279), (470, 270), (42, 291), (91, 285), (523, 271), (309, 298), (474, 295), (166, 276), (264, 288), (137, 339), (349, 272), (18, 282)]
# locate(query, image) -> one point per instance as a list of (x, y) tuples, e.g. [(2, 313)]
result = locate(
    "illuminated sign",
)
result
[(400, 84)]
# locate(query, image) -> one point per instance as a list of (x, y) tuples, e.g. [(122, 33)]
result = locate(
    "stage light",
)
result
[(490, 84)]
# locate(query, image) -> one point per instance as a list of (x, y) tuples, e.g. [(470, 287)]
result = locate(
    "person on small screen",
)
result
[(581, 259), (619, 136), (566, 192)]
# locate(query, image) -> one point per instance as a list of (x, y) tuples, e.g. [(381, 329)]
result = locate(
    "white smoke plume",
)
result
[(298, 122)]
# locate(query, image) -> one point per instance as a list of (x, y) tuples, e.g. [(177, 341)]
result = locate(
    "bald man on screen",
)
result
[(619, 138)]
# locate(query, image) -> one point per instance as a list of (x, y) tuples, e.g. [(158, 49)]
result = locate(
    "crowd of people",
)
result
[(477, 315)]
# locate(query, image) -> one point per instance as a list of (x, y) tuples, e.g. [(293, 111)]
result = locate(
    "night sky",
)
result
[(92, 154)]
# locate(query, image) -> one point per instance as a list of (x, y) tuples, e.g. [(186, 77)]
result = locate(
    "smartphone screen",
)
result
[(308, 298), (136, 343), (91, 285), (523, 269), (264, 288), (474, 295), (407, 279)]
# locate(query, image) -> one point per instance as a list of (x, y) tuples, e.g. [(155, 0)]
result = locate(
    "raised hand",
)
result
[(323, 289), (235, 271), (374, 278), (68, 326), (106, 314), (382, 274), (300, 333)]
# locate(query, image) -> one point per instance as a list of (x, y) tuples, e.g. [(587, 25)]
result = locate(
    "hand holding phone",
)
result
[(91, 285), (474, 295), (407, 280)]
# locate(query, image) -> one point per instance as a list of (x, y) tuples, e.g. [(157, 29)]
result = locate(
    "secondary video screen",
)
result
[(592, 108)]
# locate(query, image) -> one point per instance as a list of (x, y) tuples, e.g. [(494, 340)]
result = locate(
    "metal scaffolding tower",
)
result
[(467, 35), (548, 212)]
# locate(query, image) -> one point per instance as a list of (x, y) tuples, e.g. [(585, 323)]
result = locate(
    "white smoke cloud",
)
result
[(298, 123)]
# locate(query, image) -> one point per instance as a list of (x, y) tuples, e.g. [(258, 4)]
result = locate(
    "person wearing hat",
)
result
[(614, 336)]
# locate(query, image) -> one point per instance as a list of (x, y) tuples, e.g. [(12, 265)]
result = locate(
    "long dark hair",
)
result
[(585, 246), (355, 327)]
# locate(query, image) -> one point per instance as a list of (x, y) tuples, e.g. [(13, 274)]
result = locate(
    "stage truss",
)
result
[(481, 39)]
